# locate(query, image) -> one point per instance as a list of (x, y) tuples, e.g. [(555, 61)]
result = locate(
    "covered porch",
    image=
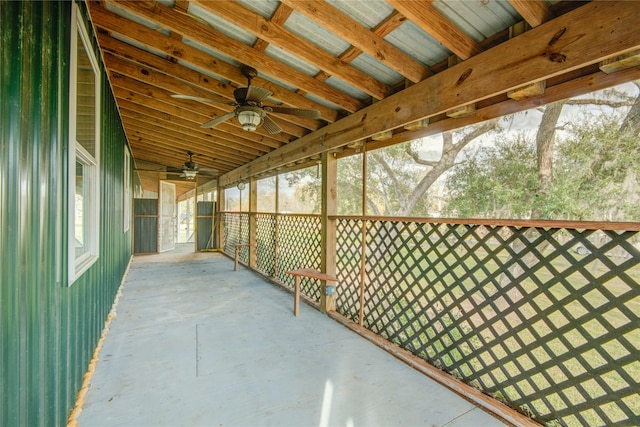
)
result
[(191, 342)]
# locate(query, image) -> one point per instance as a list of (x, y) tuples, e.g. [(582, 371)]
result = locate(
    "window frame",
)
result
[(77, 153)]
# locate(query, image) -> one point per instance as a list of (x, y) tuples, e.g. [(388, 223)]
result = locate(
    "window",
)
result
[(84, 152)]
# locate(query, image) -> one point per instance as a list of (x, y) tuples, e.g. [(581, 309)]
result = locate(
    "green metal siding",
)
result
[(48, 330)]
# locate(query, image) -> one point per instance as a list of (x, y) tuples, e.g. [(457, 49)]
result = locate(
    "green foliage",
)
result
[(597, 172), (595, 176), (500, 181)]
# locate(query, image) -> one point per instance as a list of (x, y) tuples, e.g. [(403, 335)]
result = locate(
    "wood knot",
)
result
[(464, 76)]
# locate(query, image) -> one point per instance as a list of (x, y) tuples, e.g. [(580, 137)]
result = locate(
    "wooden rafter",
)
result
[(364, 40), (280, 37), (579, 38), (535, 12), (215, 40), (438, 26)]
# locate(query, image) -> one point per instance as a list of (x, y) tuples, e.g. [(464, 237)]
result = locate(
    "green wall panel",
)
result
[(48, 330)]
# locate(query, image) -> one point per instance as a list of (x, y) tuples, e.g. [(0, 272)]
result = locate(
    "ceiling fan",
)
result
[(249, 110), (189, 169)]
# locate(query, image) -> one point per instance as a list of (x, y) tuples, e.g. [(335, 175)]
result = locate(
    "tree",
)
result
[(500, 182)]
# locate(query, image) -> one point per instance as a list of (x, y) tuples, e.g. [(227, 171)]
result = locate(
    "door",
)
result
[(168, 220)]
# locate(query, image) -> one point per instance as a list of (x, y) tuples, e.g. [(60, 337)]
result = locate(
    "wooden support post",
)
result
[(220, 207), (253, 207), (329, 208), (296, 298)]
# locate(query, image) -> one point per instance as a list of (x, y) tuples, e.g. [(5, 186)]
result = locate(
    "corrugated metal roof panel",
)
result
[(222, 25), (113, 7), (291, 60), (322, 101), (311, 31), (377, 70), (478, 19), (367, 12), (202, 71), (419, 45), (211, 51), (139, 45), (264, 8), (346, 88), (278, 82)]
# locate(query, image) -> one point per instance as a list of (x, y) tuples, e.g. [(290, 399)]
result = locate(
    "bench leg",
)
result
[(296, 298), (235, 264)]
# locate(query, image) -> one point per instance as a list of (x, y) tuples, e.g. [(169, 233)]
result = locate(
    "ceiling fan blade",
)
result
[(208, 171), (300, 112), (197, 98), (270, 126), (257, 94), (217, 120)]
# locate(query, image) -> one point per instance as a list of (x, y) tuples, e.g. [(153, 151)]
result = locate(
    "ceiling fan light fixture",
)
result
[(190, 173), (249, 119)]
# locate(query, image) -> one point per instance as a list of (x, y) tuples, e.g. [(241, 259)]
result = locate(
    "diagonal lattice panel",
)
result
[(545, 319), (266, 243), (236, 231), (299, 246), (349, 267)]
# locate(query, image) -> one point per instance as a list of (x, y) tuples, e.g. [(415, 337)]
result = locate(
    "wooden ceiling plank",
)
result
[(175, 135), (162, 81), (204, 34), (175, 48), (359, 36), (163, 142), (160, 157), (158, 99), (205, 160), (179, 124), (284, 39), (535, 12), (425, 16), (580, 38), (219, 89)]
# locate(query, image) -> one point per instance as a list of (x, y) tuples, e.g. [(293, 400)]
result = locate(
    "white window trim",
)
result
[(77, 266)]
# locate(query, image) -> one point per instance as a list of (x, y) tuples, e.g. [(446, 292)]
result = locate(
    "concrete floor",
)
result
[(196, 344)]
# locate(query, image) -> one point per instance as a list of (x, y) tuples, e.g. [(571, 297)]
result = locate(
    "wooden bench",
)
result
[(306, 272), (238, 246)]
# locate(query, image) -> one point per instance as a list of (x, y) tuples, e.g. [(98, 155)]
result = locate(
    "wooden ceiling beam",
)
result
[(535, 12), (425, 16), (183, 24), (284, 39), (569, 42), (173, 122), (170, 133), (219, 89), (159, 158), (279, 17), (363, 39), (161, 100), (164, 142), (177, 49), (568, 89), (154, 78)]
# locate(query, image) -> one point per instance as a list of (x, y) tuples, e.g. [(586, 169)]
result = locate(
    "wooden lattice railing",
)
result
[(545, 319), (283, 242)]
